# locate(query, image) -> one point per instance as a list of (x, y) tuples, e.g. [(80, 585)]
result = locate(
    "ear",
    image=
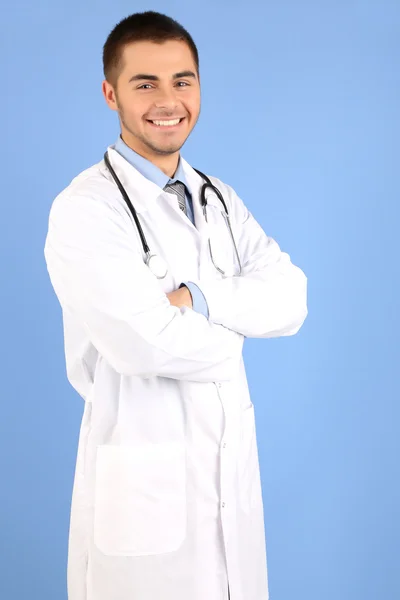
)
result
[(109, 95)]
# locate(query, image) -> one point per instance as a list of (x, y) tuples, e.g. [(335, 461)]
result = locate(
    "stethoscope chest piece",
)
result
[(157, 265)]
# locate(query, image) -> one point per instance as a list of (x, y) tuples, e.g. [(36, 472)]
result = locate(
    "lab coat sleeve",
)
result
[(269, 299), (98, 274)]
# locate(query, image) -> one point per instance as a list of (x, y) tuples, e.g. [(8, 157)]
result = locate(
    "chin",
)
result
[(167, 149)]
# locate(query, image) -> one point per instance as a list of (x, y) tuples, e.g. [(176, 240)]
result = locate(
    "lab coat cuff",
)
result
[(198, 300), (214, 297)]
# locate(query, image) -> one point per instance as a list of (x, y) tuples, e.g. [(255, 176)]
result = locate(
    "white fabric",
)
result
[(167, 499)]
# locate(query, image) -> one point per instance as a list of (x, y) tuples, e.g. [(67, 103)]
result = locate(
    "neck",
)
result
[(167, 163)]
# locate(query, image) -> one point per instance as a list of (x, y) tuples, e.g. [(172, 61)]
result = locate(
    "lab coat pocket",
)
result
[(140, 499), (248, 469)]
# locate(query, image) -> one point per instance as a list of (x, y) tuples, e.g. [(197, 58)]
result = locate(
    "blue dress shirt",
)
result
[(154, 174)]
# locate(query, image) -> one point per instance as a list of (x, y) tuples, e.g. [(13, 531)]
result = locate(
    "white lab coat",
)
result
[(167, 499)]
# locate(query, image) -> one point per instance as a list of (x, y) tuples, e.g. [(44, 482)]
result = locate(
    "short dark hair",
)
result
[(146, 26)]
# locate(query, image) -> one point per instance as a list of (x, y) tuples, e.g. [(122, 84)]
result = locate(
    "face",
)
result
[(157, 96)]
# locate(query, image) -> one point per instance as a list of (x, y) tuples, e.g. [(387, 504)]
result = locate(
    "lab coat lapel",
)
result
[(195, 183), (142, 192)]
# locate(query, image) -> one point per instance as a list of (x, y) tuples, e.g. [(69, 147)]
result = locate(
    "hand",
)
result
[(181, 297)]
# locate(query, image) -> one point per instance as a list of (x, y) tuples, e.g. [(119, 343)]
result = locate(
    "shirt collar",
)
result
[(147, 168)]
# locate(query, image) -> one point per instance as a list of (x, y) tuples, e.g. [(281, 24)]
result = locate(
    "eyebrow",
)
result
[(141, 76)]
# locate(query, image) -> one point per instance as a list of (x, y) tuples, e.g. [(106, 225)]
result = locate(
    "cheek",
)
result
[(193, 105), (134, 109)]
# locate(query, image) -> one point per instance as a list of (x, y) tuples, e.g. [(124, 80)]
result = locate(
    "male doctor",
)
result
[(167, 499)]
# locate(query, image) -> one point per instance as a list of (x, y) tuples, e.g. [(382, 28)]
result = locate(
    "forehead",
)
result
[(162, 59)]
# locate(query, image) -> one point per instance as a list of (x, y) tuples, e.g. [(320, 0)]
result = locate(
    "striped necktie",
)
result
[(178, 188)]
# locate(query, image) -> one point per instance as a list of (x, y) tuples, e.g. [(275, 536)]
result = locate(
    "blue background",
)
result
[(301, 116)]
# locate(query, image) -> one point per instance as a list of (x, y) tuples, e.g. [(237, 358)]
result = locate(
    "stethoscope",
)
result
[(156, 263)]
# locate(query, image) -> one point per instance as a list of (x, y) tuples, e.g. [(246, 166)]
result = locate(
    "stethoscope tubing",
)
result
[(121, 188), (207, 185)]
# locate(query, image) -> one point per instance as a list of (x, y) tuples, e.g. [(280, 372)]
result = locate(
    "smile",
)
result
[(170, 123)]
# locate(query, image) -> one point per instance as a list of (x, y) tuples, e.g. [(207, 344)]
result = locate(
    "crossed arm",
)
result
[(99, 277), (180, 297), (269, 298)]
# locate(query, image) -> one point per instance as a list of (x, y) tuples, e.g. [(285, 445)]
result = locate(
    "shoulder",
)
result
[(90, 189)]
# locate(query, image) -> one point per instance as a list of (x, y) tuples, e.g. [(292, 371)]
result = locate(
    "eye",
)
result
[(145, 86), (182, 84)]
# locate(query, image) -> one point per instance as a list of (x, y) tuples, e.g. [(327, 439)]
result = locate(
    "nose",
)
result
[(166, 98)]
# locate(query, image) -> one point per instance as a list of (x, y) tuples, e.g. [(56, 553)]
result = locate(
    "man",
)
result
[(167, 499)]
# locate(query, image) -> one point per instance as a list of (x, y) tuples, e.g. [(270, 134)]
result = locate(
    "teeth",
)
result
[(166, 123)]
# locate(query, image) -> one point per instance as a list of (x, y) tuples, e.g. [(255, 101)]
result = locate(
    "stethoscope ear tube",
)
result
[(215, 190), (228, 220), (121, 188)]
